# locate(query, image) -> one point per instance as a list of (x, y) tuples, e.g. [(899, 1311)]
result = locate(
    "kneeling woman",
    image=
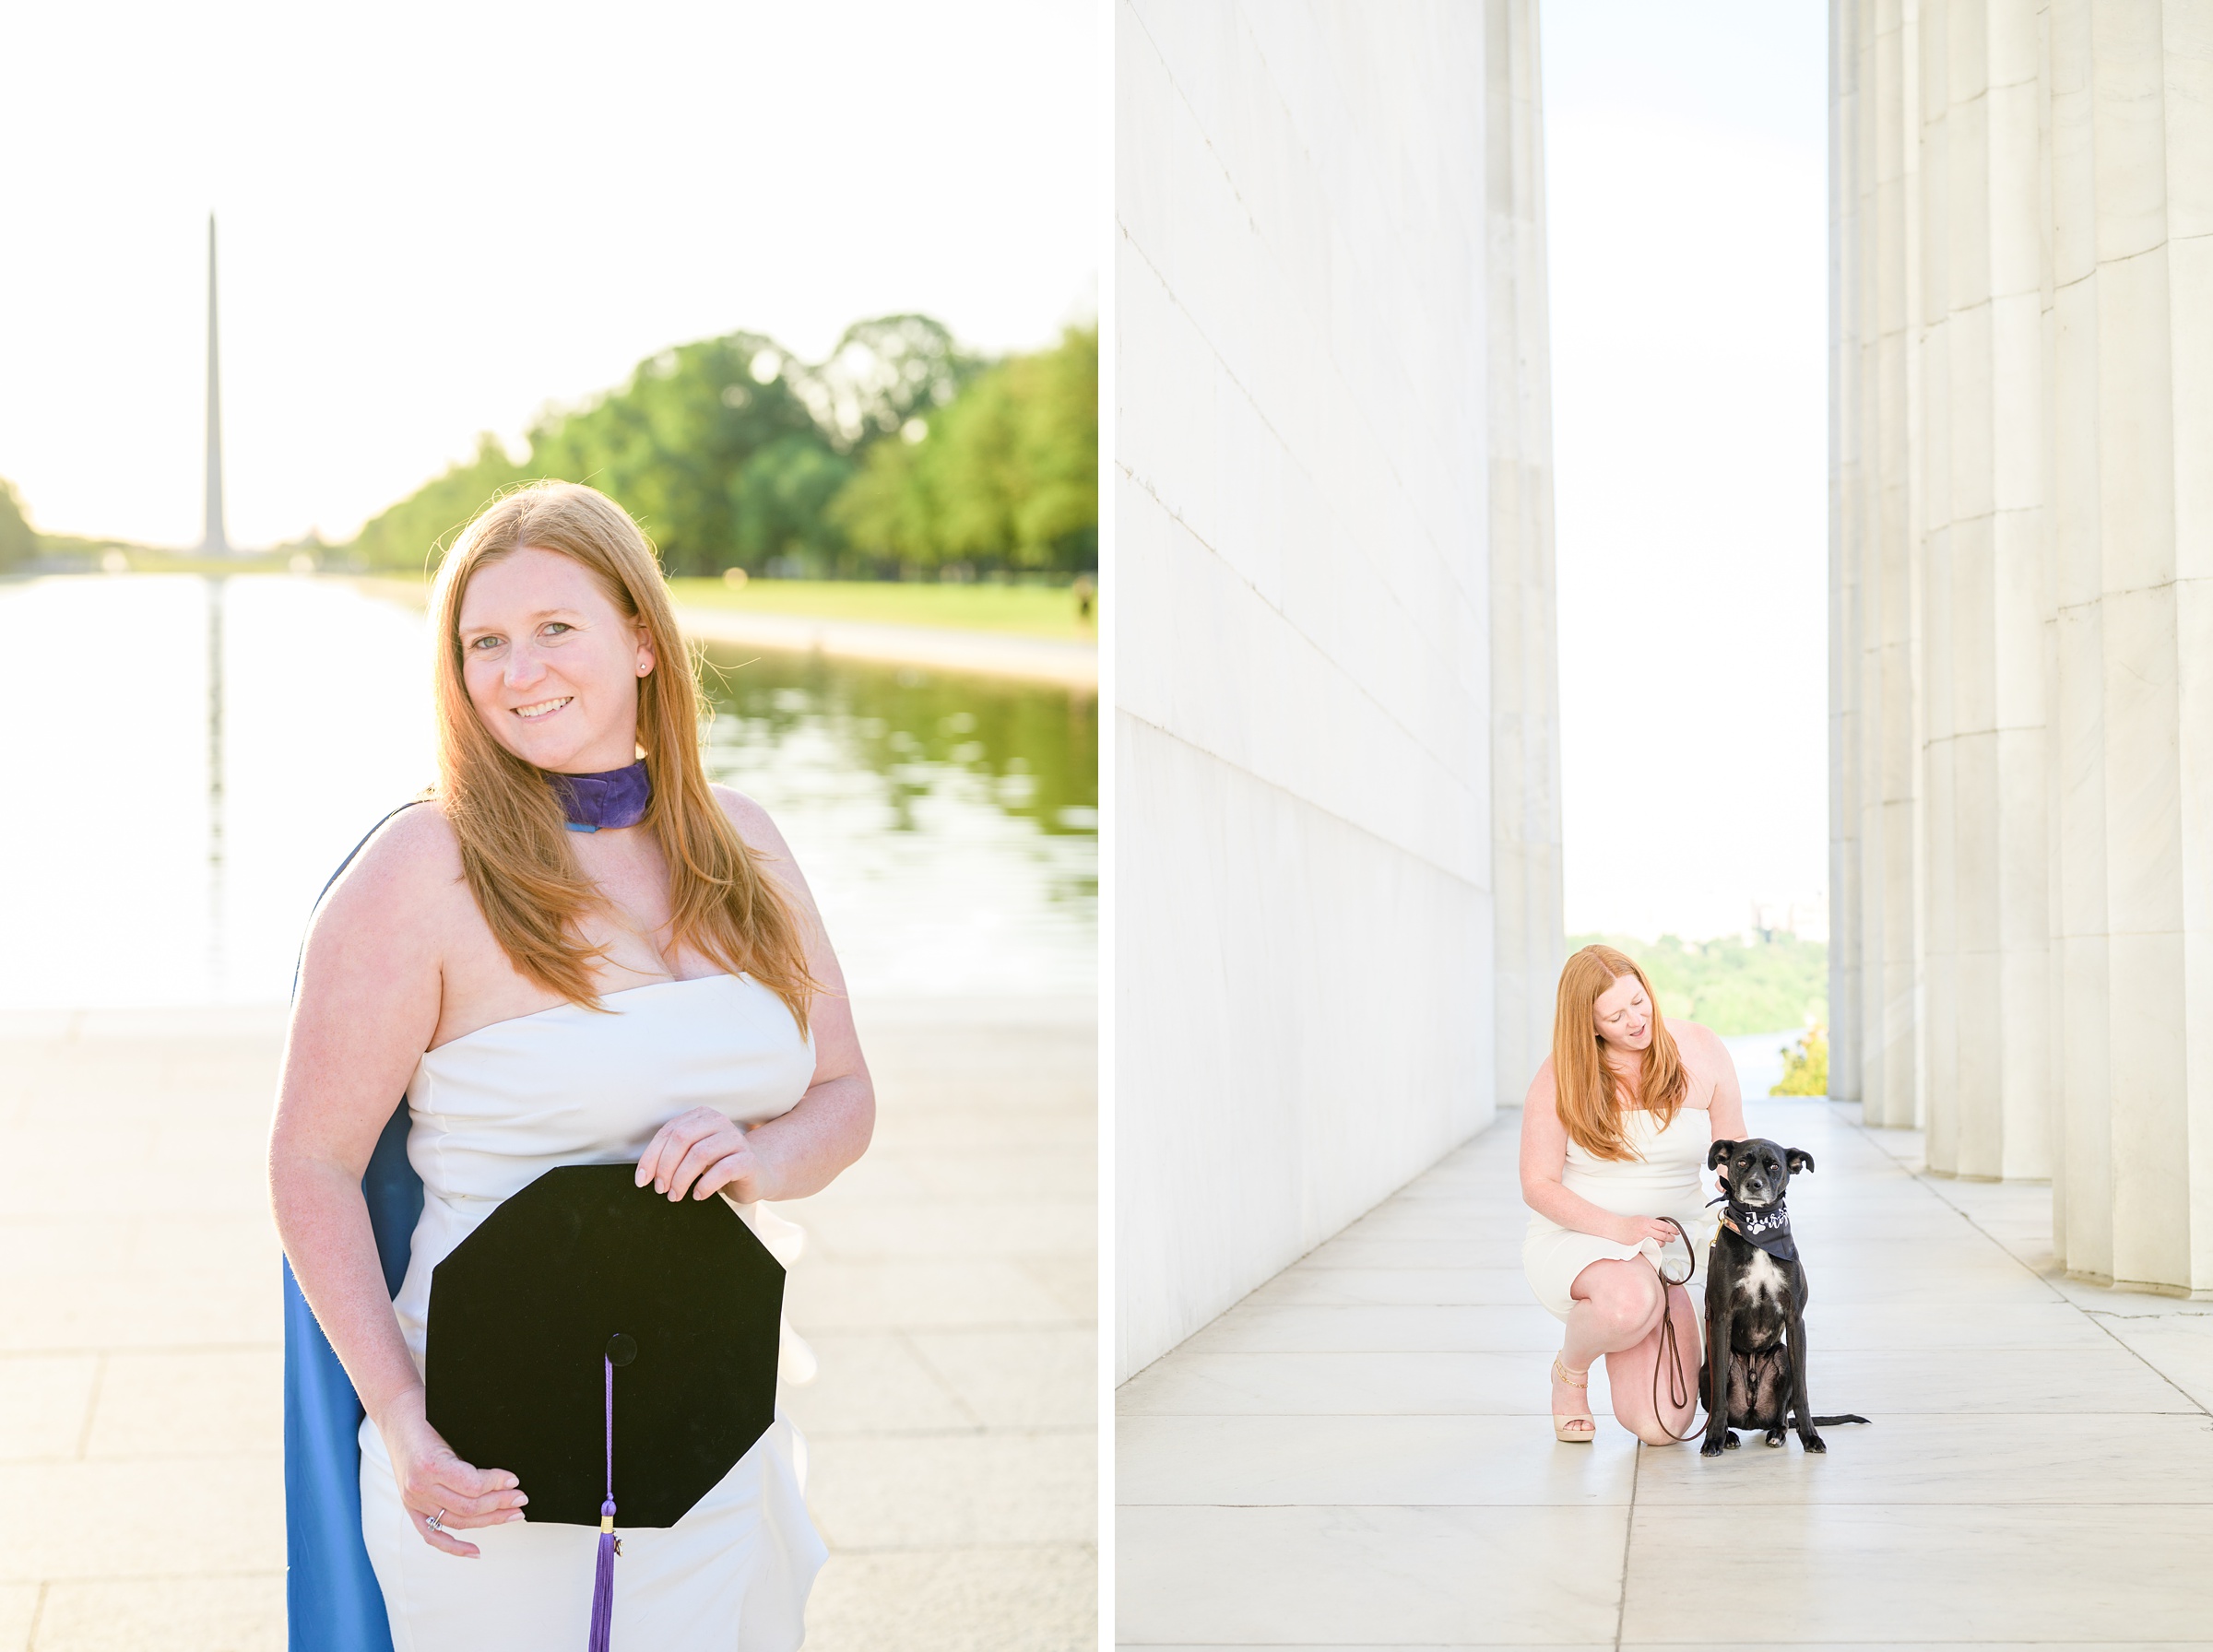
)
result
[(1614, 1138)]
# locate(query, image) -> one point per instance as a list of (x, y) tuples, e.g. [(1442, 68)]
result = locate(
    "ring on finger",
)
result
[(435, 1522)]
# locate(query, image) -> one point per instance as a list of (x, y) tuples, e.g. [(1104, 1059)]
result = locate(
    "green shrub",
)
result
[(1806, 1064), (19, 543)]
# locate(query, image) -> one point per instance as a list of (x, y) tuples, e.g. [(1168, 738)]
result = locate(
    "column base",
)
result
[(2138, 1287)]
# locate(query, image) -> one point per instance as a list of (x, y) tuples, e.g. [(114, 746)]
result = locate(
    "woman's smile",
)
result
[(551, 663)]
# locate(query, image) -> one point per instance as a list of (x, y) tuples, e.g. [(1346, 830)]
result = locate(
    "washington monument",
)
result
[(214, 542)]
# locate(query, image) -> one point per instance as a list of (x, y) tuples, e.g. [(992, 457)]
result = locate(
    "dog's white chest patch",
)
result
[(1762, 1277)]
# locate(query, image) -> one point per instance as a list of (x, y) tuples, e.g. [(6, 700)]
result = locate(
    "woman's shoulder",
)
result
[(1703, 1053), (415, 838), (409, 862), (750, 818), (1690, 1035)]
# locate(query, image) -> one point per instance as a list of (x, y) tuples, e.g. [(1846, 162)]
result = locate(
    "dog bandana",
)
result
[(1768, 1229)]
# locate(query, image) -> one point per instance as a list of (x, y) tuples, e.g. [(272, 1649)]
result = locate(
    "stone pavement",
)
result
[(1357, 1454), (948, 1291)]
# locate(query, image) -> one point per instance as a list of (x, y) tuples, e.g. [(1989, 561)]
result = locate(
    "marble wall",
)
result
[(2022, 536), (1336, 880)]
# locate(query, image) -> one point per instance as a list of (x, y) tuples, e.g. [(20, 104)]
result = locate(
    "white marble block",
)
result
[(1336, 882)]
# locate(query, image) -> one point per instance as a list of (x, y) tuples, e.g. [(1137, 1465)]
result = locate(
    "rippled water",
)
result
[(183, 761)]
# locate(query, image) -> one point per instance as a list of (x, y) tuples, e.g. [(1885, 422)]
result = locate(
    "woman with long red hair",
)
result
[(1615, 1131), (575, 951)]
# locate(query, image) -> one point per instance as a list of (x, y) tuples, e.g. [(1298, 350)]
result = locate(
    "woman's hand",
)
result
[(704, 1153), (1635, 1230), (435, 1482)]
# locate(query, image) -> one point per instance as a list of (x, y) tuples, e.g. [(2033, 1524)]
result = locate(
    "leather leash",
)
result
[(1677, 1393)]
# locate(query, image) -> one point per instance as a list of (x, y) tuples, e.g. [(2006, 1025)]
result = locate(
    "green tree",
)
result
[(1731, 984), (888, 508), (778, 505), (884, 374), (899, 449), (972, 458), (1058, 512), (669, 443), (1005, 475), (18, 541), (414, 533)]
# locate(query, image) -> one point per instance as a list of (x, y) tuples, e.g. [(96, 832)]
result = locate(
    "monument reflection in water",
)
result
[(204, 753)]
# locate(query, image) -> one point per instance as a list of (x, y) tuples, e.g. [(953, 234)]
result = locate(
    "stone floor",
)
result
[(949, 1289), (1357, 1454)]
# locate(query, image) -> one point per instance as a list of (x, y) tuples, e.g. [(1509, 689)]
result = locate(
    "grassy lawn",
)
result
[(1023, 610), (1019, 610), (139, 558)]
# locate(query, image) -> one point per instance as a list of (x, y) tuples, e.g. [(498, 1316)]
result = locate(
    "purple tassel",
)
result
[(603, 1590), (603, 1580)]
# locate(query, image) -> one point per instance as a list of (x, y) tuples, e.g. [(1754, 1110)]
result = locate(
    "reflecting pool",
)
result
[(185, 760)]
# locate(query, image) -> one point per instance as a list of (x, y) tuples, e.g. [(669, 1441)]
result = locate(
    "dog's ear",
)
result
[(1717, 1152), (1798, 1159)]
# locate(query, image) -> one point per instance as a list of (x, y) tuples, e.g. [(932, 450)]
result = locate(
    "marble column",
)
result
[(2131, 362), (1876, 712), (2021, 580), (1983, 599), (1527, 941), (1845, 538)]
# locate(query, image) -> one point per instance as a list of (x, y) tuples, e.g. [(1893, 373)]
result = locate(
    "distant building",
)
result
[(1804, 917)]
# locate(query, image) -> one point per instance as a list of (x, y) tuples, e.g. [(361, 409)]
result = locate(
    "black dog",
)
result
[(1756, 1297)]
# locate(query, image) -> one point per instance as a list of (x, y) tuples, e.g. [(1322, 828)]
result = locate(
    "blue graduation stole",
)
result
[(332, 1600)]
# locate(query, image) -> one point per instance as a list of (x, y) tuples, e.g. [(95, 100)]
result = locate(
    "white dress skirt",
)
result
[(489, 1112), (1667, 1178)]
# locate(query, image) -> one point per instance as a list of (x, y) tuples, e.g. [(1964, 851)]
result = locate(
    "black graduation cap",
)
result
[(583, 1283)]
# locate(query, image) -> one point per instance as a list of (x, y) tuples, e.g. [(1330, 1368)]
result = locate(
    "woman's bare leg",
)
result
[(1629, 1374), (1617, 1306)]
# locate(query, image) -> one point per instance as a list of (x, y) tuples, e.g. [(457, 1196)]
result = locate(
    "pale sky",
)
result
[(437, 218), (1686, 168)]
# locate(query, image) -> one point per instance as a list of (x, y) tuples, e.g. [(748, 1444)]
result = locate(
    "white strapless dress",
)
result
[(1667, 1179), (491, 1112)]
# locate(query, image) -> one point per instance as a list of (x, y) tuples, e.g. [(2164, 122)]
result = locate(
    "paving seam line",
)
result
[(1629, 1538)]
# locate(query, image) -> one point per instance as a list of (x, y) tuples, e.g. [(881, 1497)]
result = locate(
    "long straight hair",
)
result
[(515, 848), (1586, 1095)]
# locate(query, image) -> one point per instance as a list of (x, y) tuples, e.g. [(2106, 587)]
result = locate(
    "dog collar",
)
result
[(1768, 1229)]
